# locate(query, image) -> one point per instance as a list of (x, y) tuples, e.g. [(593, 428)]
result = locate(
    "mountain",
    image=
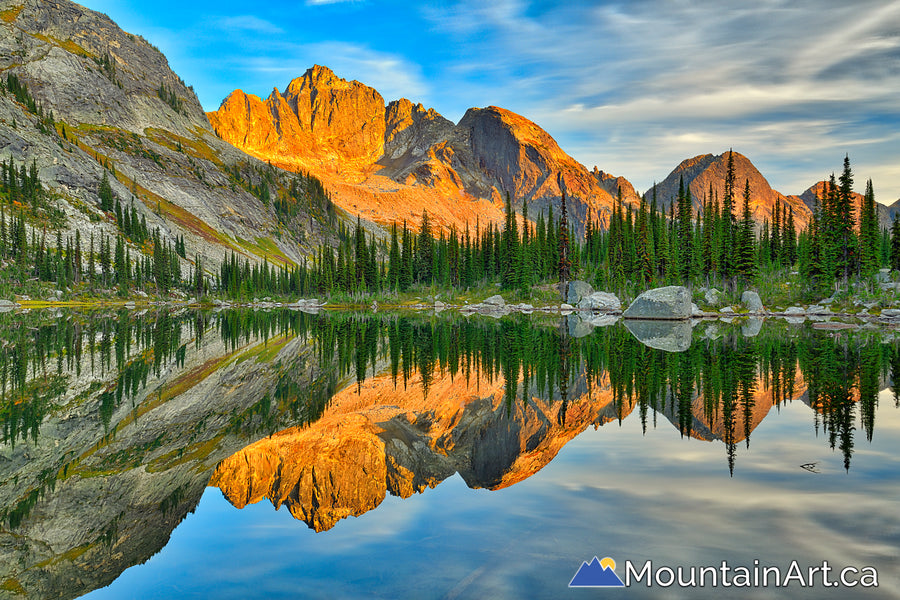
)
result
[(705, 170), (388, 162), (99, 100), (885, 213)]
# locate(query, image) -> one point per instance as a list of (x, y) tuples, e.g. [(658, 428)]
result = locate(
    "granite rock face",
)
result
[(670, 303)]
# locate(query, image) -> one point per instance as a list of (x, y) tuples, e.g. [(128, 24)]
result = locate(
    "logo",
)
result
[(597, 573), (601, 573)]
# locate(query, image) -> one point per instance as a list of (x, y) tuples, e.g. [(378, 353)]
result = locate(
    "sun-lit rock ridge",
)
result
[(389, 162)]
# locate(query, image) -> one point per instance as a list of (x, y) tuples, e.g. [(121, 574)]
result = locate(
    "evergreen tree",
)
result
[(564, 260), (746, 252), (895, 244), (105, 192)]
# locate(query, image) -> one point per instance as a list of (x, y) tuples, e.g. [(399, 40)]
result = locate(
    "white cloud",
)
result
[(247, 23)]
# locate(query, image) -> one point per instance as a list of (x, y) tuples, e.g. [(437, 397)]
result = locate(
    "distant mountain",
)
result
[(390, 162), (885, 213), (707, 171)]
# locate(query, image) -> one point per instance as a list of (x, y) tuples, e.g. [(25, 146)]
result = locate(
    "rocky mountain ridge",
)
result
[(343, 132)]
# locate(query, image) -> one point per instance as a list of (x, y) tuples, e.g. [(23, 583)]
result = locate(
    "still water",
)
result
[(422, 456)]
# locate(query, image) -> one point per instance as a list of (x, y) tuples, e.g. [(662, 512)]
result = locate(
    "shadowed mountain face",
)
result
[(390, 162)]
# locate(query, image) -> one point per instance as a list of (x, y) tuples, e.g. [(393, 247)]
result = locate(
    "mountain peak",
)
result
[(705, 174), (378, 158)]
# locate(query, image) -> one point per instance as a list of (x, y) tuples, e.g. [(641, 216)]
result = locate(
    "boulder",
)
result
[(727, 310), (668, 303), (577, 291), (663, 335), (794, 310), (565, 308), (496, 300), (752, 301), (890, 313), (695, 310), (712, 296), (601, 301)]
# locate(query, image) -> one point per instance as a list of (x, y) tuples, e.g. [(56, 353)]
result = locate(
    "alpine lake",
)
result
[(240, 454)]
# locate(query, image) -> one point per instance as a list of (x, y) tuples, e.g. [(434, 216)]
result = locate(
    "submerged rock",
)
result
[(668, 303)]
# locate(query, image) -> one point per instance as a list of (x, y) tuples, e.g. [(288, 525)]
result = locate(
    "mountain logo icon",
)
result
[(597, 573)]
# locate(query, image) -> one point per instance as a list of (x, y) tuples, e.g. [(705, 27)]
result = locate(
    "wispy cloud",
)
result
[(798, 82), (247, 23)]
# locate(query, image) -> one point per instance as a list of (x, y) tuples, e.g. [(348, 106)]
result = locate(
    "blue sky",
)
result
[(632, 87)]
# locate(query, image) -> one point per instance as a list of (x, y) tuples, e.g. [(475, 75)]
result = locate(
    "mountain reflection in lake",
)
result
[(114, 424)]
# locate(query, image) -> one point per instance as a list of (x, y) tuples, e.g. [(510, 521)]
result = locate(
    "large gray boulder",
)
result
[(603, 301), (669, 303), (577, 291), (495, 301), (671, 336), (752, 302)]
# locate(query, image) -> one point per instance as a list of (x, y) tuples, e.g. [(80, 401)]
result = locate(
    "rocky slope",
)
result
[(118, 106), (388, 162), (701, 172)]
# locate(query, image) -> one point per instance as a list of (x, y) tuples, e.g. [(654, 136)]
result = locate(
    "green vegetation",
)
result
[(167, 95)]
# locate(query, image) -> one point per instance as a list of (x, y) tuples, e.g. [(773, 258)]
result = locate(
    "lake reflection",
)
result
[(738, 448)]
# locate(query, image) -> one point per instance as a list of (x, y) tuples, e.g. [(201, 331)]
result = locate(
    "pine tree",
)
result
[(106, 194), (685, 231), (868, 234), (394, 260), (564, 260), (746, 252), (425, 252), (895, 244), (510, 249), (726, 236)]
